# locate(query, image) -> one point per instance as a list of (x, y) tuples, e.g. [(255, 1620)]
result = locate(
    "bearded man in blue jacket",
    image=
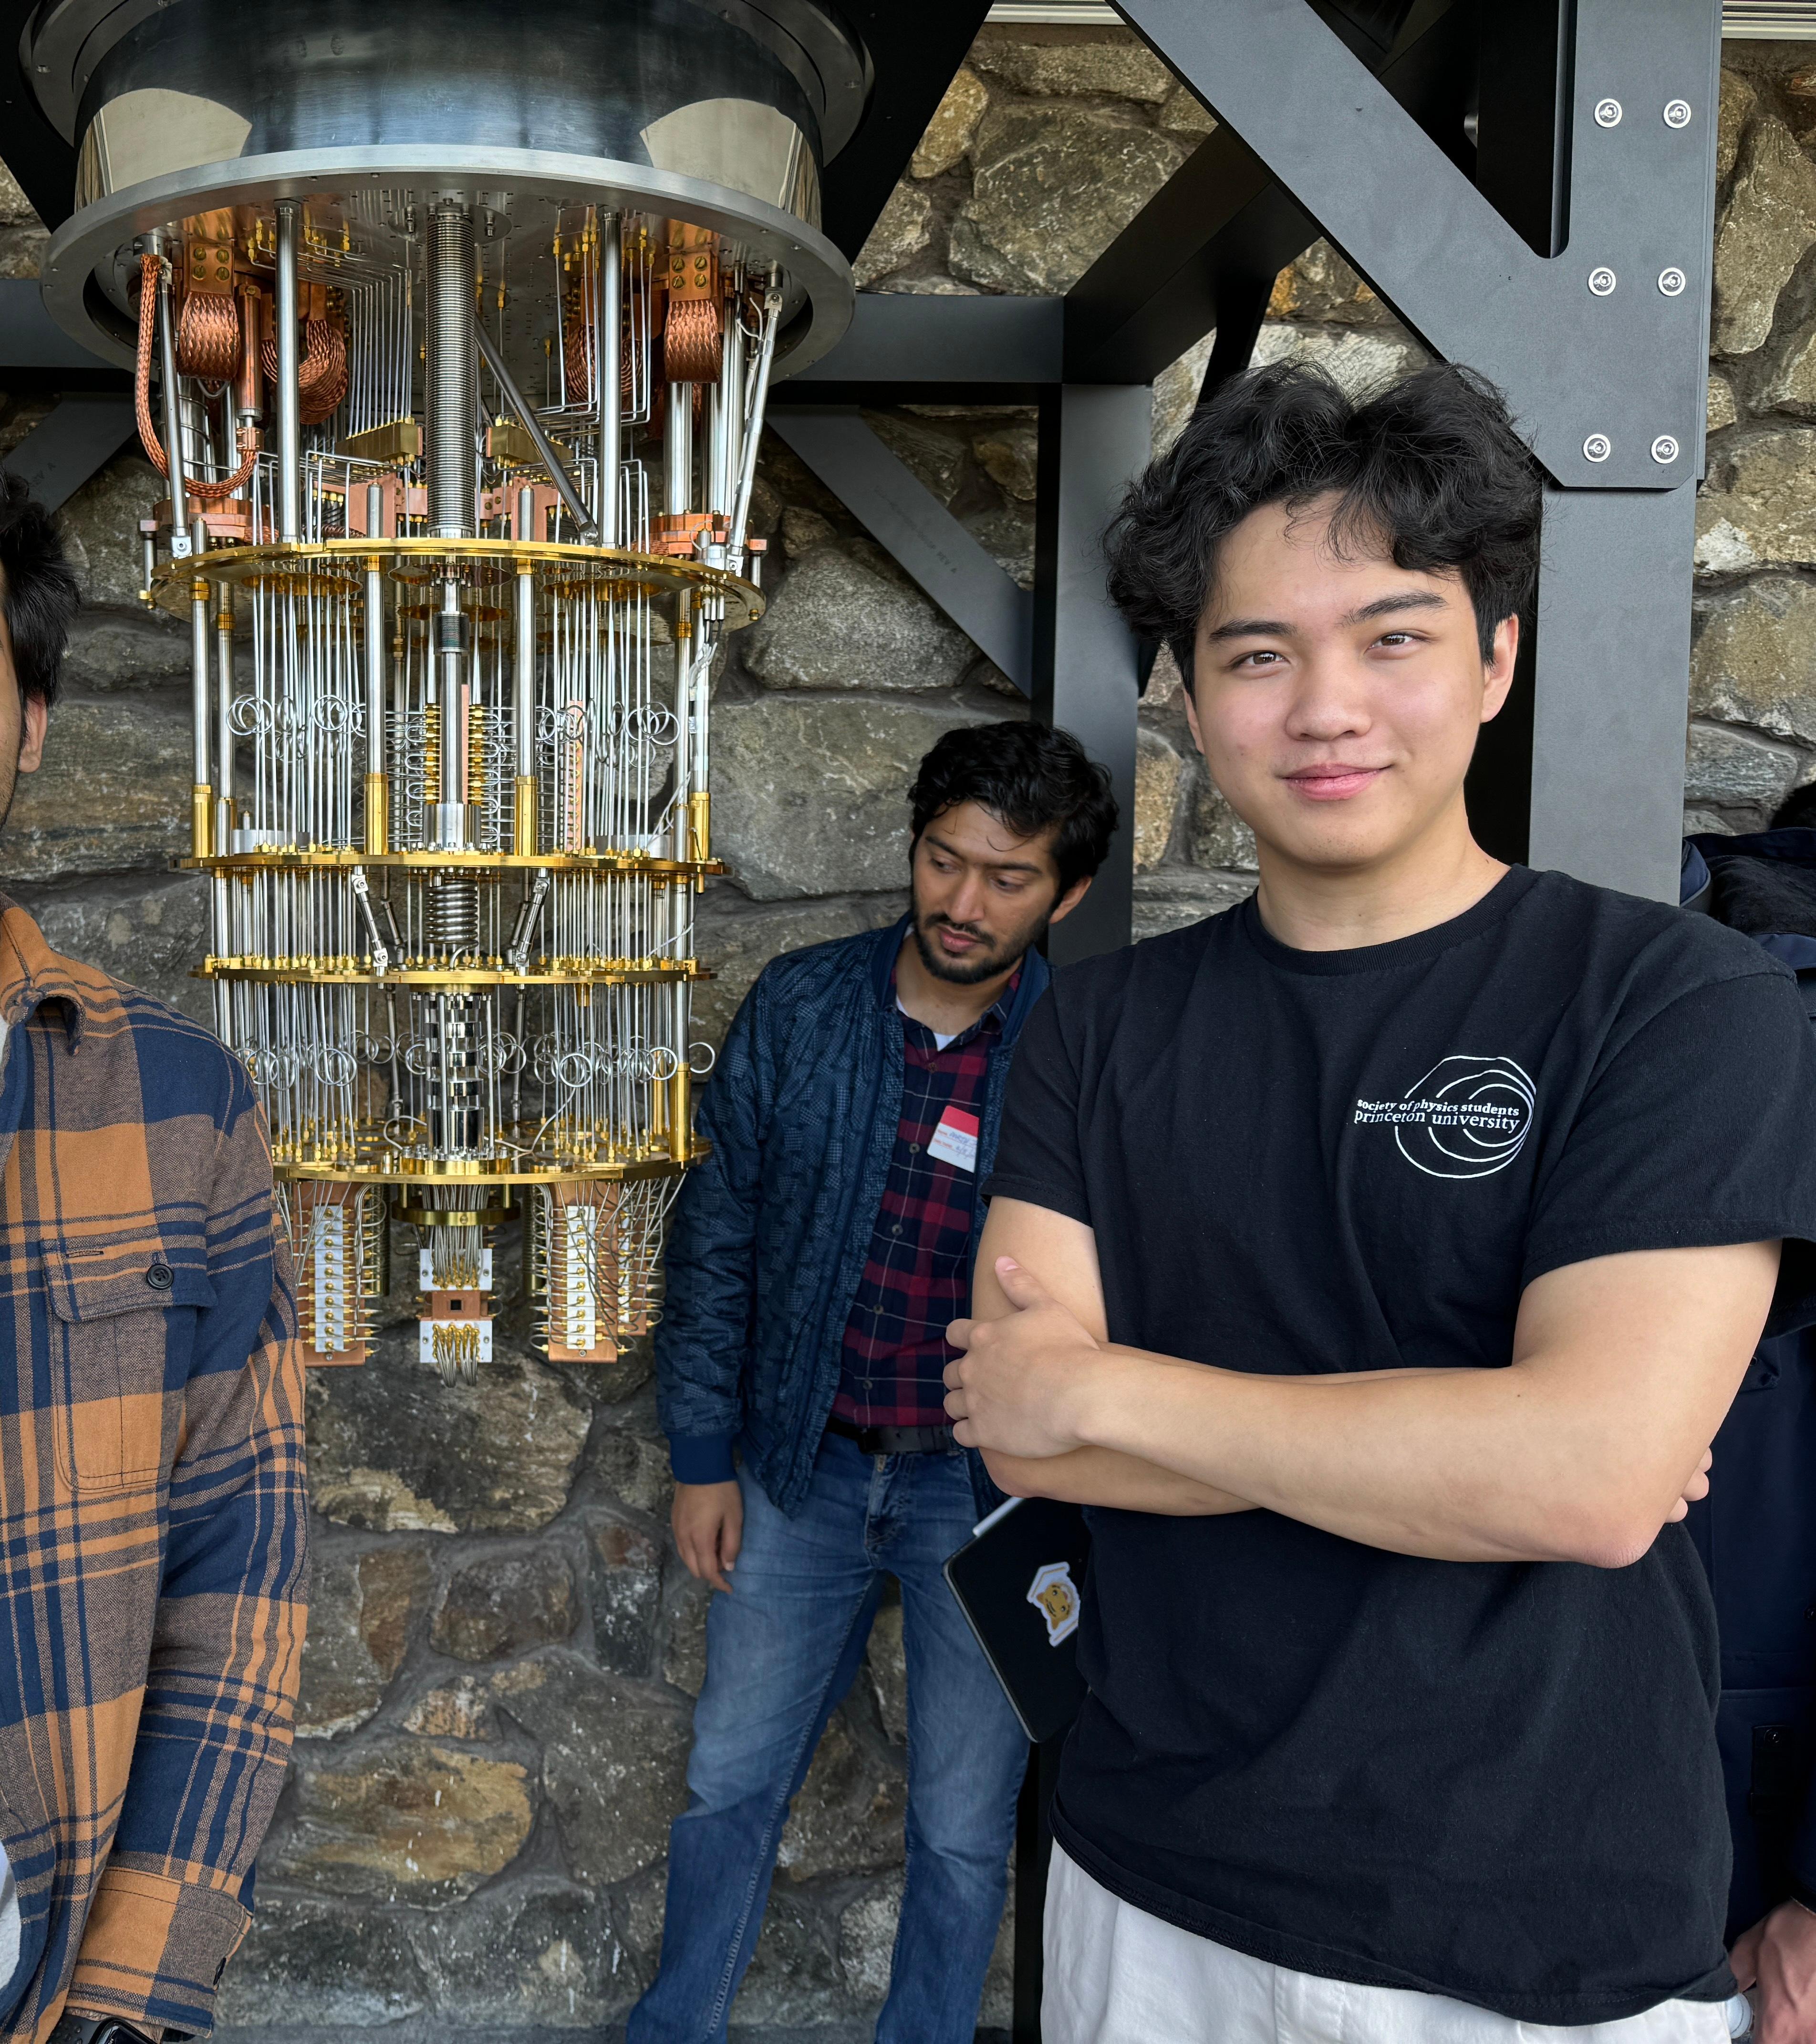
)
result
[(817, 1257)]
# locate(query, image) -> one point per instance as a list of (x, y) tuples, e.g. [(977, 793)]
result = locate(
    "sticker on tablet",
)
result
[(955, 1139)]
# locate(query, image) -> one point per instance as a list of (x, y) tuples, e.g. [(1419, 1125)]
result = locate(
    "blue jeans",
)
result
[(781, 1652)]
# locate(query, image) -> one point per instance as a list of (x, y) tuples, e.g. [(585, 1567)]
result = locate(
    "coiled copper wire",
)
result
[(693, 341), (149, 269), (577, 349), (208, 338), (322, 371)]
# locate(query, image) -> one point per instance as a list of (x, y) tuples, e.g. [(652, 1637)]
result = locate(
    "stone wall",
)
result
[(503, 1647)]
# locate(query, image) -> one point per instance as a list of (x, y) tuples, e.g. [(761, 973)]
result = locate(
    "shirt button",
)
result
[(897, 1229), (914, 1149), (160, 1276)]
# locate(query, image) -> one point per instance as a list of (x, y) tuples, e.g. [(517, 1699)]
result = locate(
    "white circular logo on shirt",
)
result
[(1467, 1118)]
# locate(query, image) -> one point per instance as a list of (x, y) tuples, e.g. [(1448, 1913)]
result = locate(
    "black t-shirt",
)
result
[(1495, 1781)]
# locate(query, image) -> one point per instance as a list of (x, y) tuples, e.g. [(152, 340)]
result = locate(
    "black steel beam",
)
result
[(35, 351), (910, 522), (1224, 226), (915, 52), (83, 432), (987, 351), (1094, 439)]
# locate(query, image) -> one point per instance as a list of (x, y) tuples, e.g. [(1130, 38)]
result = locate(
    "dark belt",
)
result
[(894, 1440)]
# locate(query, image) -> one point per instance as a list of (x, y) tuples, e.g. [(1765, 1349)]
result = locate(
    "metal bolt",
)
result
[(1601, 281), (1607, 114), (1664, 449), (1598, 446), (1677, 114), (1671, 281)]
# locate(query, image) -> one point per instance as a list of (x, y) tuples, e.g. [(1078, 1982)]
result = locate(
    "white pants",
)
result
[(1115, 1975)]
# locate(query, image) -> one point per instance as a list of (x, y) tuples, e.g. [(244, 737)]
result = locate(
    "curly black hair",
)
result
[(37, 587), (1031, 776), (1430, 470)]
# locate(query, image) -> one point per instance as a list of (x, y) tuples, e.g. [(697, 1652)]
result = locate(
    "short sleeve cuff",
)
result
[(701, 1457), (1067, 1200)]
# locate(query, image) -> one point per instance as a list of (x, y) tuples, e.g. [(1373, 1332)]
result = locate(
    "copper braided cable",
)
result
[(576, 348), (150, 268), (693, 341), (321, 373), (208, 338)]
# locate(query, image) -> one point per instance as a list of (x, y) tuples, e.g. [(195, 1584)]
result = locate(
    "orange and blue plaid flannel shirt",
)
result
[(152, 1504)]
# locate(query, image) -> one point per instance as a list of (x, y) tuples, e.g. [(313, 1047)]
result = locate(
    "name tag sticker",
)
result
[(955, 1139)]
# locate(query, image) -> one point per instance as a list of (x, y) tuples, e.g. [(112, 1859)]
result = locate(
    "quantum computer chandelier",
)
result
[(452, 325)]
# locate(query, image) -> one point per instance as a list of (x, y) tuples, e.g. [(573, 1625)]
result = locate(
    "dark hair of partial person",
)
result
[(41, 593), (1031, 776), (1797, 810), (1430, 471)]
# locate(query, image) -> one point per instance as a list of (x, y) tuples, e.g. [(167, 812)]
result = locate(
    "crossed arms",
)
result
[(1595, 1435)]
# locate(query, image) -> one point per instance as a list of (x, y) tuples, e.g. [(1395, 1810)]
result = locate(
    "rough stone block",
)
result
[(1738, 100), (613, 1756), (461, 1710), (1176, 895), (310, 1962), (1733, 770), (738, 938), (1008, 456), (1157, 769), (1007, 535), (795, 1983), (811, 796), (904, 227), (404, 1819), (341, 1683), (392, 1448), (113, 647), (1216, 836), (113, 791), (635, 1465), (1320, 286), (836, 623), (1723, 410), (1112, 64), (803, 531), (100, 527), (626, 1589), (684, 1658), (1052, 187), (934, 458), (147, 929), (1754, 661), (847, 1818), (503, 1603), (1359, 361), (1175, 393), (540, 1953), (1767, 224), (887, 1665), (1185, 113), (954, 127), (1757, 510)]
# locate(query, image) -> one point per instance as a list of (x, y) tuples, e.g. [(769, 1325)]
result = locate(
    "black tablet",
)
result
[(1020, 1582)]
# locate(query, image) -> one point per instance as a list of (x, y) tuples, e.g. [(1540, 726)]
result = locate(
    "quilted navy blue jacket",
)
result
[(770, 1232)]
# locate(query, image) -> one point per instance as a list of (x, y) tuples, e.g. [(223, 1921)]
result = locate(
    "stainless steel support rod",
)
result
[(224, 733), (180, 540), (289, 411), (551, 460), (451, 377), (608, 314), (523, 676), (202, 664), (759, 391)]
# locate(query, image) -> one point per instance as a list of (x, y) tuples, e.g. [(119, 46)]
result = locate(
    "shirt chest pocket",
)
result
[(121, 1332)]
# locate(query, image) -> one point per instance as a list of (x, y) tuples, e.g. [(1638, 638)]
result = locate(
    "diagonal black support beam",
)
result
[(1627, 366), (983, 350), (1223, 226), (910, 522), (83, 432)]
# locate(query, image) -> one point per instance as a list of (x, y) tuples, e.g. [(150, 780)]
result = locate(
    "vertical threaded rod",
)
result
[(452, 380)]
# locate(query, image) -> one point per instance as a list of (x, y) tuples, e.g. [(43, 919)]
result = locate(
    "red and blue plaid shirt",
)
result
[(917, 1277)]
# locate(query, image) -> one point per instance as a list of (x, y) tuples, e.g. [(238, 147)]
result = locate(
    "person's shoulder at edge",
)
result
[(183, 1067), (799, 973), (1663, 946)]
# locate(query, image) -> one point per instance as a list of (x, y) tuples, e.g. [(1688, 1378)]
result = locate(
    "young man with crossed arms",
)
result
[(1379, 1258)]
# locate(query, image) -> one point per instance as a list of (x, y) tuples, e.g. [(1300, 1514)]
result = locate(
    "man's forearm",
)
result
[(1105, 1477)]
